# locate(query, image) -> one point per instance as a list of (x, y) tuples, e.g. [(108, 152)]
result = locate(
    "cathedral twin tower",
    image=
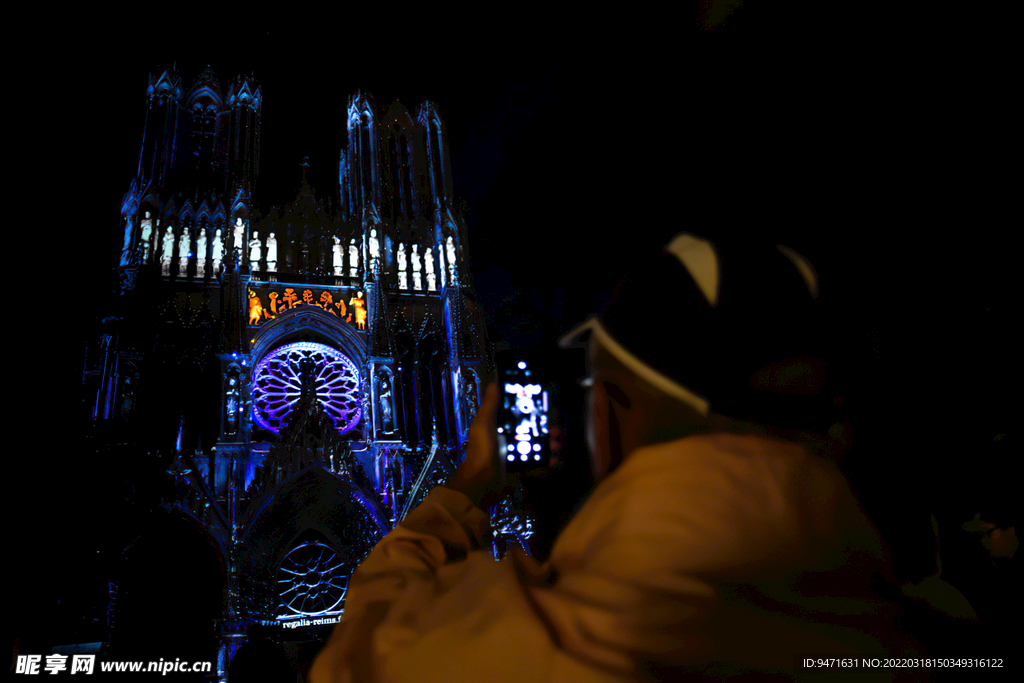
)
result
[(198, 170), (306, 374)]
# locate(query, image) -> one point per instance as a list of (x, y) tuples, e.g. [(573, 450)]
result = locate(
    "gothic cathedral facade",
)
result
[(305, 375)]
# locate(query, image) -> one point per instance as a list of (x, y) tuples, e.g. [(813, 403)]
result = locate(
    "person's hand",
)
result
[(481, 474)]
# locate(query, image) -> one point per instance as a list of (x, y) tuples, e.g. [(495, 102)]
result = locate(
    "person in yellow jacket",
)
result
[(719, 541)]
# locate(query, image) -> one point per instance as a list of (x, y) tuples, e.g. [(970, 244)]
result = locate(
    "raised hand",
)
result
[(481, 475)]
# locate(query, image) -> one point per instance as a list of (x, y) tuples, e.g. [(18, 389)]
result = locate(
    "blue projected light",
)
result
[(277, 385)]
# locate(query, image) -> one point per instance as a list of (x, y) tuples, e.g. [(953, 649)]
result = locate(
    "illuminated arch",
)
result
[(435, 137), (340, 371), (308, 323), (363, 150), (334, 512), (240, 206), (187, 212), (203, 214)]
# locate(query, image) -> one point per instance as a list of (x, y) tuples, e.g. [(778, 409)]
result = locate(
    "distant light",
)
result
[(527, 373), (501, 430), (536, 457), (523, 447), (523, 458), (510, 457), (522, 365), (536, 446), (511, 447)]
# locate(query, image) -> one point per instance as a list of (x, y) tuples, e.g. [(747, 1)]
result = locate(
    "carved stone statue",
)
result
[(126, 247), (403, 282), (168, 252), (339, 266), (147, 233), (184, 246), (374, 245), (428, 263), (255, 251), (231, 405), (239, 233), (353, 259), (218, 251), (271, 254), (201, 254), (450, 248), (469, 398), (387, 423), (417, 277)]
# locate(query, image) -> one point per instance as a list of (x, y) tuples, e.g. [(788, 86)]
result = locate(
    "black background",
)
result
[(872, 143)]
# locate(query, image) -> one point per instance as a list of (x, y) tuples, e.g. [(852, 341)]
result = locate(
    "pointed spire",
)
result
[(305, 190)]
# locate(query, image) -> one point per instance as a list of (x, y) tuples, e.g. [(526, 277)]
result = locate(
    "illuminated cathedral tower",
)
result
[(305, 376)]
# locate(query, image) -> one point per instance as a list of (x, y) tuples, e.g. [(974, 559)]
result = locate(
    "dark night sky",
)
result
[(864, 143), (868, 144)]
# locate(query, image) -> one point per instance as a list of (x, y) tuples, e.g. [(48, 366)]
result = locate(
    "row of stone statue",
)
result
[(402, 259), (256, 245), (203, 246), (427, 265)]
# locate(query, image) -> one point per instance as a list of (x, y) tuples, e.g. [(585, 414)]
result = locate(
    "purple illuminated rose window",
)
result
[(277, 385)]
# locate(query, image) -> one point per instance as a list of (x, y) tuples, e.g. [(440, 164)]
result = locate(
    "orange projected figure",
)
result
[(255, 309), (343, 310), (307, 296), (290, 298), (326, 301), (360, 306), (273, 304)]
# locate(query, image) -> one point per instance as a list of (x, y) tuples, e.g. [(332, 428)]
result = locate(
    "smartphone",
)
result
[(523, 429)]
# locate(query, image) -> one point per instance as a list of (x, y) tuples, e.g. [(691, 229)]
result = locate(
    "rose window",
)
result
[(278, 382), (312, 581)]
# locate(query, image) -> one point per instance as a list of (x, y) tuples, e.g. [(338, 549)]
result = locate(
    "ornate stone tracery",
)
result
[(312, 581), (291, 372)]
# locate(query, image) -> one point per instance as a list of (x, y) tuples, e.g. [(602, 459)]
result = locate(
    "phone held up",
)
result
[(523, 429)]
